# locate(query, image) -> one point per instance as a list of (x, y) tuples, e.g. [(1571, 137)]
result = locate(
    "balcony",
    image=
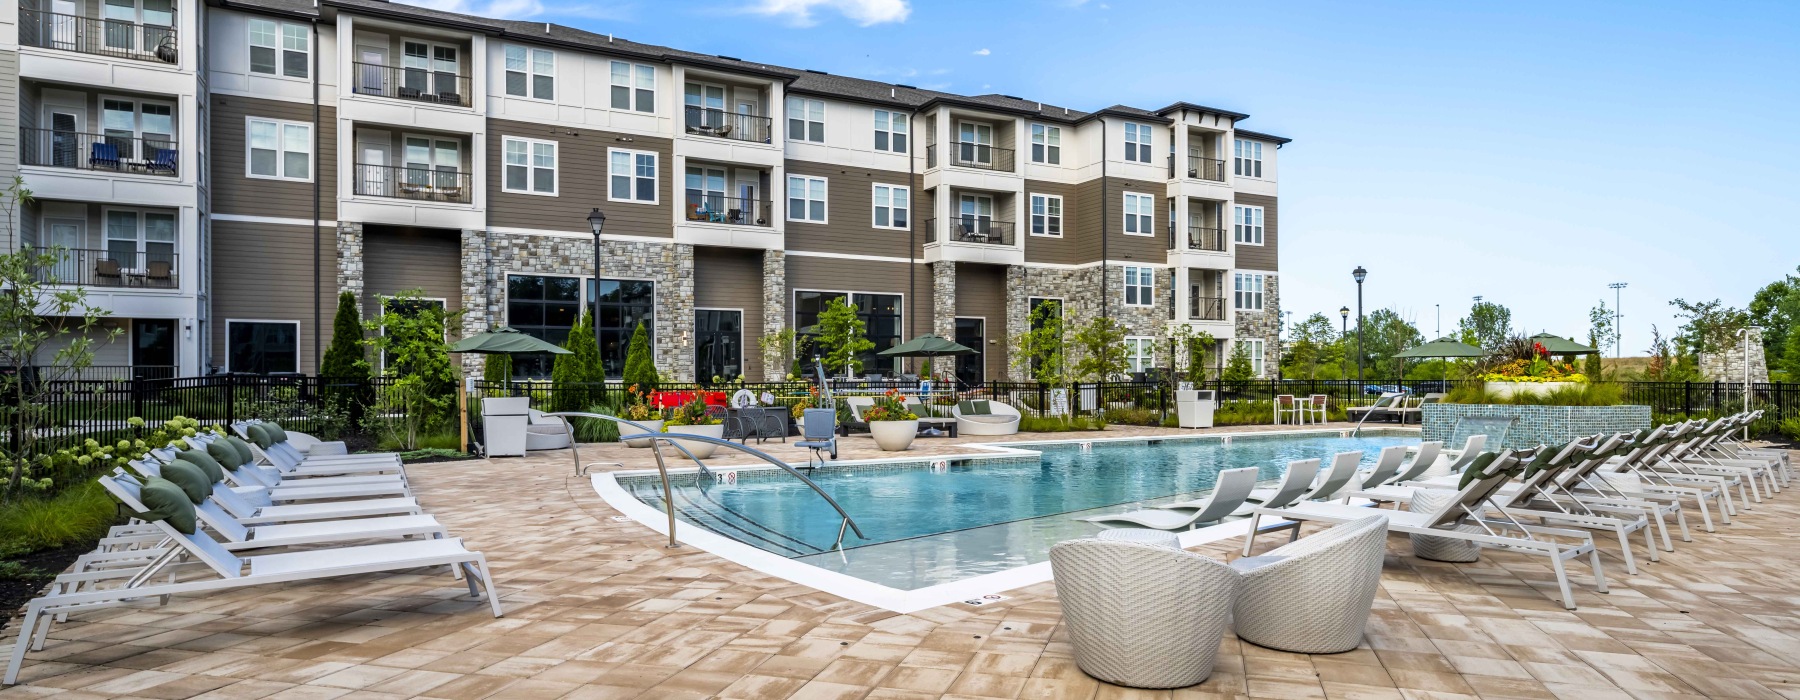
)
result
[(979, 156), (1199, 168), (1211, 240), (151, 155), (718, 123), (417, 84), (417, 184), (101, 268), (1205, 308), (99, 37), (712, 207), (975, 230)]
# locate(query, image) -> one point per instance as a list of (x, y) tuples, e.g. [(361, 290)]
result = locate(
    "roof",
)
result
[(1189, 106), (1279, 140)]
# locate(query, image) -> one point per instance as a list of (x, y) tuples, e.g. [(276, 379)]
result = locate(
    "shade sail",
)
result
[(505, 341)]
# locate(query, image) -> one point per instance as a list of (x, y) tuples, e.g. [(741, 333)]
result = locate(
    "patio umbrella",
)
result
[(1440, 348), (502, 340), (1558, 345), (927, 346)]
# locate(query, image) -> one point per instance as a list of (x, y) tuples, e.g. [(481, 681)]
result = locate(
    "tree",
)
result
[(1386, 333), (496, 368), (1311, 345), (778, 352), (640, 366), (421, 398), (347, 358), (1238, 370), (1667, 363), (1487, 325), (1776, 308), (841, 337), (1707, 326), (576, 378), (1038, 351), (1102, 346), (1600, 330), (1192, 348)]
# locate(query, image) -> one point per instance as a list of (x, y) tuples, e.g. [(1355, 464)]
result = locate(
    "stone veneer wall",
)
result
[(943, 299), (350, 259), (774, 291), (1264, 325), (1728, 366), (1537, 425), (1081, 290)]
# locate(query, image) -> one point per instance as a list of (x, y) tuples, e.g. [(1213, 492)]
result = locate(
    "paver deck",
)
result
[(598, 609)]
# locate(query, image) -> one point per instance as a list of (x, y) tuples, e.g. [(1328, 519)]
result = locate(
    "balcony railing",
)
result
[(1199, 168), (418, 184), (971, 155), (100, 37), (1196, 238), (974, 229), (727, 125), (118, 153), (423, 85), (1205, 308), (103, 268), (718, 208)]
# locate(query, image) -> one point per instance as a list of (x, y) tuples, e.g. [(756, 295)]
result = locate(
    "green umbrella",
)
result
[(505, 341), (1558, 345), (927, 346), (1442, 347)]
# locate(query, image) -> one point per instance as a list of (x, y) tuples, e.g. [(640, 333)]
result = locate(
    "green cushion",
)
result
[(225, 454), (975, 408), (243, 448), (167, 502), (278, 433), (1475, 469), (214, 471), (260, 436), (189, 477)]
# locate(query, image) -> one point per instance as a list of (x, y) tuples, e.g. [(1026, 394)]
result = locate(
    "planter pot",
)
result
[(894, 435), (701, 450), (654, 425), (1511, 389)]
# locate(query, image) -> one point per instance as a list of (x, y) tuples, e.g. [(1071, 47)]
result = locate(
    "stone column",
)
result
[(943, 299), (1018, 316), (478, 293), (675, 312), (350, 259), (774, 290)]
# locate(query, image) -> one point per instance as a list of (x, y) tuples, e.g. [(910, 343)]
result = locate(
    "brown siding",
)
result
[(1135, 248), (849, 211), (838, 274), (397, 259), (1258, 257), (233, 192), (1066, 250), (981, 291), (265, 272), (729, 278), (581, 184)]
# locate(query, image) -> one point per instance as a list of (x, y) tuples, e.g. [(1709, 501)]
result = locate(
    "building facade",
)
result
[(300, 150)]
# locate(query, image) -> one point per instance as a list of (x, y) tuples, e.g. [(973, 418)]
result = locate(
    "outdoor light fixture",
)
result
[(1360, 274), (597, 221), (1344, 313)]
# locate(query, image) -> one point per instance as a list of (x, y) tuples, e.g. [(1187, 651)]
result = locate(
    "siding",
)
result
[(396, 259), (233, 192), (1259, 257), (9, 134), (265, 272), (1133, 248), (726, 278), (981, 291), (581, 184), (1067, 250), (849, 211), (837, 274)]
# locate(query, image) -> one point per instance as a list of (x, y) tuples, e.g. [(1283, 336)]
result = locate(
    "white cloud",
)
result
[(982, 52), (863, 12), (526, 9)]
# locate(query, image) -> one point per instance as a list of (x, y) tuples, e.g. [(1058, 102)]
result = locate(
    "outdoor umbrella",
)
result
[(1558, 345), (502, 340), (927, 346), (1440, 348)]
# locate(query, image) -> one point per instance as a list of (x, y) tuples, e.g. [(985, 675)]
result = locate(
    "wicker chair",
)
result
[(1142, 615), (1313, 596)]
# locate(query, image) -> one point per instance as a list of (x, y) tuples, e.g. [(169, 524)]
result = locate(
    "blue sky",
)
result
[(1526, 152)]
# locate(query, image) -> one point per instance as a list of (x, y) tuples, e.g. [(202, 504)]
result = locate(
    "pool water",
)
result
[(926, 525)]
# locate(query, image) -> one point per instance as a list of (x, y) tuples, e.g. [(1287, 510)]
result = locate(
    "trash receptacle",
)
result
[(1194, 408), (503, 424)]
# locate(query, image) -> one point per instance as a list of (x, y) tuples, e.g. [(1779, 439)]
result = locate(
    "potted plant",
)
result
[(691, 418), (1523, 366), (890, 423), (639, 410)]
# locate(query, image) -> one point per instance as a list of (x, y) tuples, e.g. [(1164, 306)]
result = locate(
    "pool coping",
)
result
[(967, 590)]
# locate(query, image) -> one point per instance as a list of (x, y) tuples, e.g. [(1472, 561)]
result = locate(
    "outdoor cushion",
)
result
[(260, 436), (215, 472), (276, 432), (189, 477), (1475, 469), (245, 456), (168, 502), (225, 454), (974, 408)]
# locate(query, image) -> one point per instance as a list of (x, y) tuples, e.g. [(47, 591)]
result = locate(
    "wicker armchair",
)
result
[(1142, 615), (1313, 596)]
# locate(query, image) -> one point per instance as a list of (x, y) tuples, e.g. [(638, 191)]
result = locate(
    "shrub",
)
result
[(640, 368), (347, 357), (1590, 394), (77, 515), (496, 368), (1791, 428), (1061, 424), (578, 376), (1133, 416), (594, 429)]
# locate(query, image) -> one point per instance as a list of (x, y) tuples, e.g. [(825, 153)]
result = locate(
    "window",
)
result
[(718, 344), (1248, 292), (1140, 286), (125, 19), (262, 347), (531, 73), (806, 198), (280, 150), (136, 240), (1046, 215), (1247, 225), (432, 162), (1140, 353), (892, 203), (1046, 144), (806, 120), (530, 166), (1247, 158), (633, 176), (1254, 348), (1140, 214), (283, 46), (880, 314), (633, 86), (544, 308), (890, 131), (620, 307), (126, 122), (1137, 142)]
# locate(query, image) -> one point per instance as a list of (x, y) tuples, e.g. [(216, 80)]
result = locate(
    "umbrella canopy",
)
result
[(1558, 345), (927, 346), (505, 341), (1442, 347)]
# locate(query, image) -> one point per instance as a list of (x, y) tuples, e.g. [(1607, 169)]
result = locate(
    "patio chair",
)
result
[(1142, 615), (103, 154), (1228, 494), (1312, 596), (984, 417), (162, 162), (1296, 481), (159, 274), (818, 428), (1315, 408), (928, 416), (544, 432), (289, 459), (856, 404), (107, 271), (240, 536), (1286, 406), (250, 487)]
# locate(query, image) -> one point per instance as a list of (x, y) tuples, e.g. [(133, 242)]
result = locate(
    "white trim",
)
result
[(1125, 211), (892, 115), (1029, 213), (248, 219), (1258, 352), (1239, 209), (631, 86), (852, 256), (1125, 287), (530, 85), (1145, 144), (312, 157), (873, 186), (655, 177), (1139, 342), (786, 196), (555, 167), (788, 116), (1262, 289), (279, 47), (299, 359), (1047, 145)]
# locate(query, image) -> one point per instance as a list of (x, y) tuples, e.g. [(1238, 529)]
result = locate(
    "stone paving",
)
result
[(597, 609)]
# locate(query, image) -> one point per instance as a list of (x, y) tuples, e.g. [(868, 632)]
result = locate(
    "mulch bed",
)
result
[(45, 565)]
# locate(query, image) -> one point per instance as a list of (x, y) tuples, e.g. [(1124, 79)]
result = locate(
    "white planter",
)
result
[(1511, 389), (894, 435), (655, 426), (701, 450)]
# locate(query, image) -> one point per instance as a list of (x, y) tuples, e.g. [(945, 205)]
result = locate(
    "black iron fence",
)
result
[(119, 153), (105, 268), (1196, 238), (720, 208), (974, 229), (1206, 308), (965, 154), (705, 121), (1199, 168), (421, 184), (420, 84), (100, 37)]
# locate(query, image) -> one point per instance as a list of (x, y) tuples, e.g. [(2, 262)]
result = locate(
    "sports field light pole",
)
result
[(1618, 333), (1360, 274), (596, 221)]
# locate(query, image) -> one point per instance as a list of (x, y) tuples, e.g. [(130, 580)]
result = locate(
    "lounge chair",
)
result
[(1387, 465), (982, 417), (928, 416), (1382, 408), (856, 404), (1294, 483), (1228, 494), (306, 490), (1142, 615), (162, 162), (1312, 596), (818, 430), (545, 432), (240, 536), (268, 442)]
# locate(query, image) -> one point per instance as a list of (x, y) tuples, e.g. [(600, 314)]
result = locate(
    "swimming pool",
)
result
[(928, 524)]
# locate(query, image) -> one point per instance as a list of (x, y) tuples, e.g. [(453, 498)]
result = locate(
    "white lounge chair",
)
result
[(1294, 483), (1387, 465), (999, 418), (239, 536), (1228, 494), (544, 432)]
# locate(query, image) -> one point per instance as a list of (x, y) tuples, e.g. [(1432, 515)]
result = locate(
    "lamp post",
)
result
[(1360, 274), (597, 221), (1618, 333), (1344, 313)]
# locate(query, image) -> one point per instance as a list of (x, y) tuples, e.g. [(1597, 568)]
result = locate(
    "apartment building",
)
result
[(375, 147)]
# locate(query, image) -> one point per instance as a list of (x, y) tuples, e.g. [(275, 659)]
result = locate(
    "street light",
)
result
[(1344, 312), (1360, 274), (1618, 333), (597, 221)]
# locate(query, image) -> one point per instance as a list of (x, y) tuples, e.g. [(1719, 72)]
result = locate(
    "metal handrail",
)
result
[(657, 438)]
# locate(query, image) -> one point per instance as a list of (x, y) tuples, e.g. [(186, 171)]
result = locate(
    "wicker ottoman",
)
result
[(1441, 548)]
